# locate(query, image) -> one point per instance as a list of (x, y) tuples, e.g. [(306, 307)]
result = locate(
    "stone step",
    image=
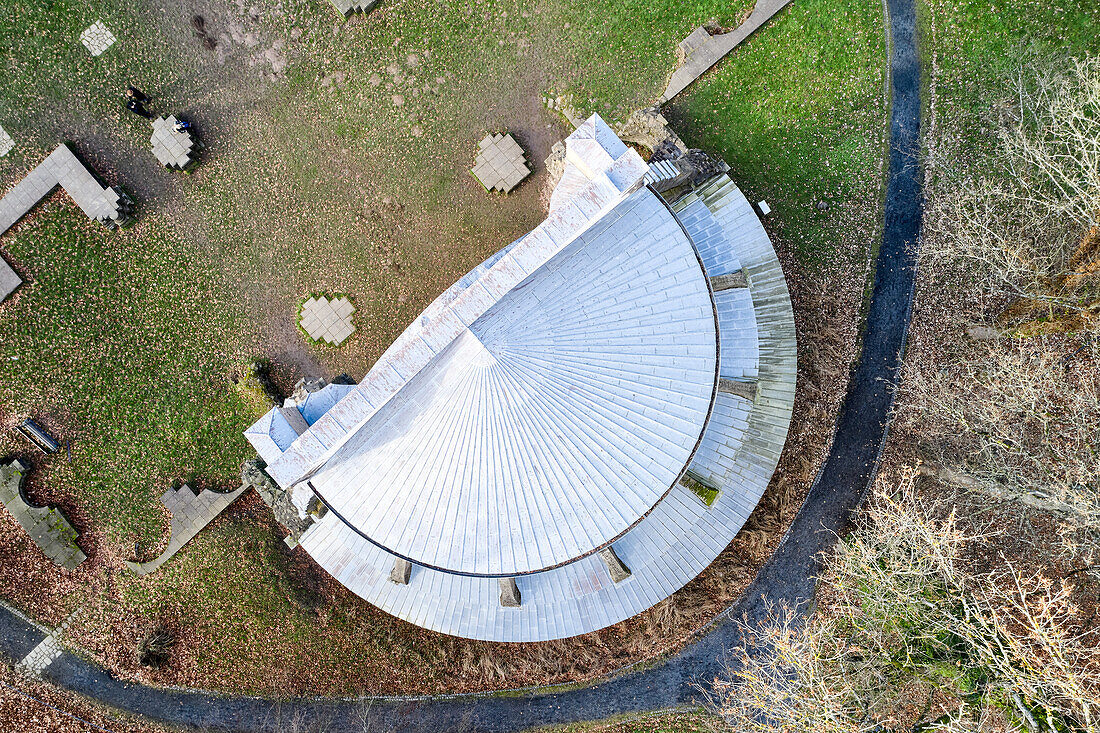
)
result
[(661, 171), (710, 239)]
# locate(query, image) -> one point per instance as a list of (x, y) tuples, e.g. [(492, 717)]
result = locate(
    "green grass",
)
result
[(977, 46), (123, 348), (799, 115)]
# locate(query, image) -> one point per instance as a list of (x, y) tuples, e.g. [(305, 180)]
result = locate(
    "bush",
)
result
[(911, 637), (255, 385), (155, 648)]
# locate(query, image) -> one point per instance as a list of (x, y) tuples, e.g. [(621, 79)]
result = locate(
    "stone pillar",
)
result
[(734, 279), (744, 388), (294, 418), (402, 569), (509, 593), (619, 571)]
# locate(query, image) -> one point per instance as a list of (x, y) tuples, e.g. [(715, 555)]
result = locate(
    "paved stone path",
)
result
[(500, 163), (108, 205), (46, 526), (702, 50), (97, 38), (328, 320), (41, 656), (190, 513), (787, 577), (48, 650)]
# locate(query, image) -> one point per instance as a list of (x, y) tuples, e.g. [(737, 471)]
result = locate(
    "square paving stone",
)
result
[(97, 38), (6, 143), (498, 159)]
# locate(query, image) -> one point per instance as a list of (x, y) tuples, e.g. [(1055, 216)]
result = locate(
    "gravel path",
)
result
[(788, 577)]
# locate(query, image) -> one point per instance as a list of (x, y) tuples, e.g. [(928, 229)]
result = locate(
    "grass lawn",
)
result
[(655, 723), (973, 48), (338, 163), (798, 115), (118, 345)]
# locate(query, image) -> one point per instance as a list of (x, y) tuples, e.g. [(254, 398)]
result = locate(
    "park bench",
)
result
[(33, 432)]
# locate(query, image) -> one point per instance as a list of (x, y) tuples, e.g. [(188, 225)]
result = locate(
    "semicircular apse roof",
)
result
[(571, 432), (554, 421)]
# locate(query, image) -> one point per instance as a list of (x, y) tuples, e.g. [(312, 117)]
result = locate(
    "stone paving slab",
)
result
[(9, 280), (41, 656), (190, 514), (328, 320), (6, 143), (46, 526), (48, 650), (171, 147), (500, 163), (60, 168), (97, 38), (347, 7)]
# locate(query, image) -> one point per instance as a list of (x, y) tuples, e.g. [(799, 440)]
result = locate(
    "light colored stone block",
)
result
[(500, 164), (6, 143), (190, 513), (509, 593), (97, 38), (328, 320)]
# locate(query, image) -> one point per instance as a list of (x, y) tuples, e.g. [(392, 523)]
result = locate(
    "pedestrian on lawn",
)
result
[(137, 108), (135, 101), (135, 94)]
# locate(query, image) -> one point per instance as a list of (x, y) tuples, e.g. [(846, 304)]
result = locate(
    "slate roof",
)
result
[(452, 312), (554, 421), (272, 434)]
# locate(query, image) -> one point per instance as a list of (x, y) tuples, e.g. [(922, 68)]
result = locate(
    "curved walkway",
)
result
[(788, 577)]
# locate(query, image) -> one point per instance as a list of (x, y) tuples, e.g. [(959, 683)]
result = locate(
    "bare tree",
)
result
[(1027, 224), (1016, 419), (1019, 417), (903, 617)]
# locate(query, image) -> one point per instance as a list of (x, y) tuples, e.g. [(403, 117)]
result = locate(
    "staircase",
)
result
[(347, 7)]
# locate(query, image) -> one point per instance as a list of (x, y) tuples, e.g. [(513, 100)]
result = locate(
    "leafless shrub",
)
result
[(906, 620), (793, 681), (364, 722), (292, 717), (1027, 224), (154, 650), (1016, 419)]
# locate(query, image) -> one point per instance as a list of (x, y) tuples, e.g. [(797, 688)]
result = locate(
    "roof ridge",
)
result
[(310, 452)]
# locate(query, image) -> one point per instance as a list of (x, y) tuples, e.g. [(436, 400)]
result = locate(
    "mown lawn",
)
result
[(798, 113), (337, 162), (973, 49)]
